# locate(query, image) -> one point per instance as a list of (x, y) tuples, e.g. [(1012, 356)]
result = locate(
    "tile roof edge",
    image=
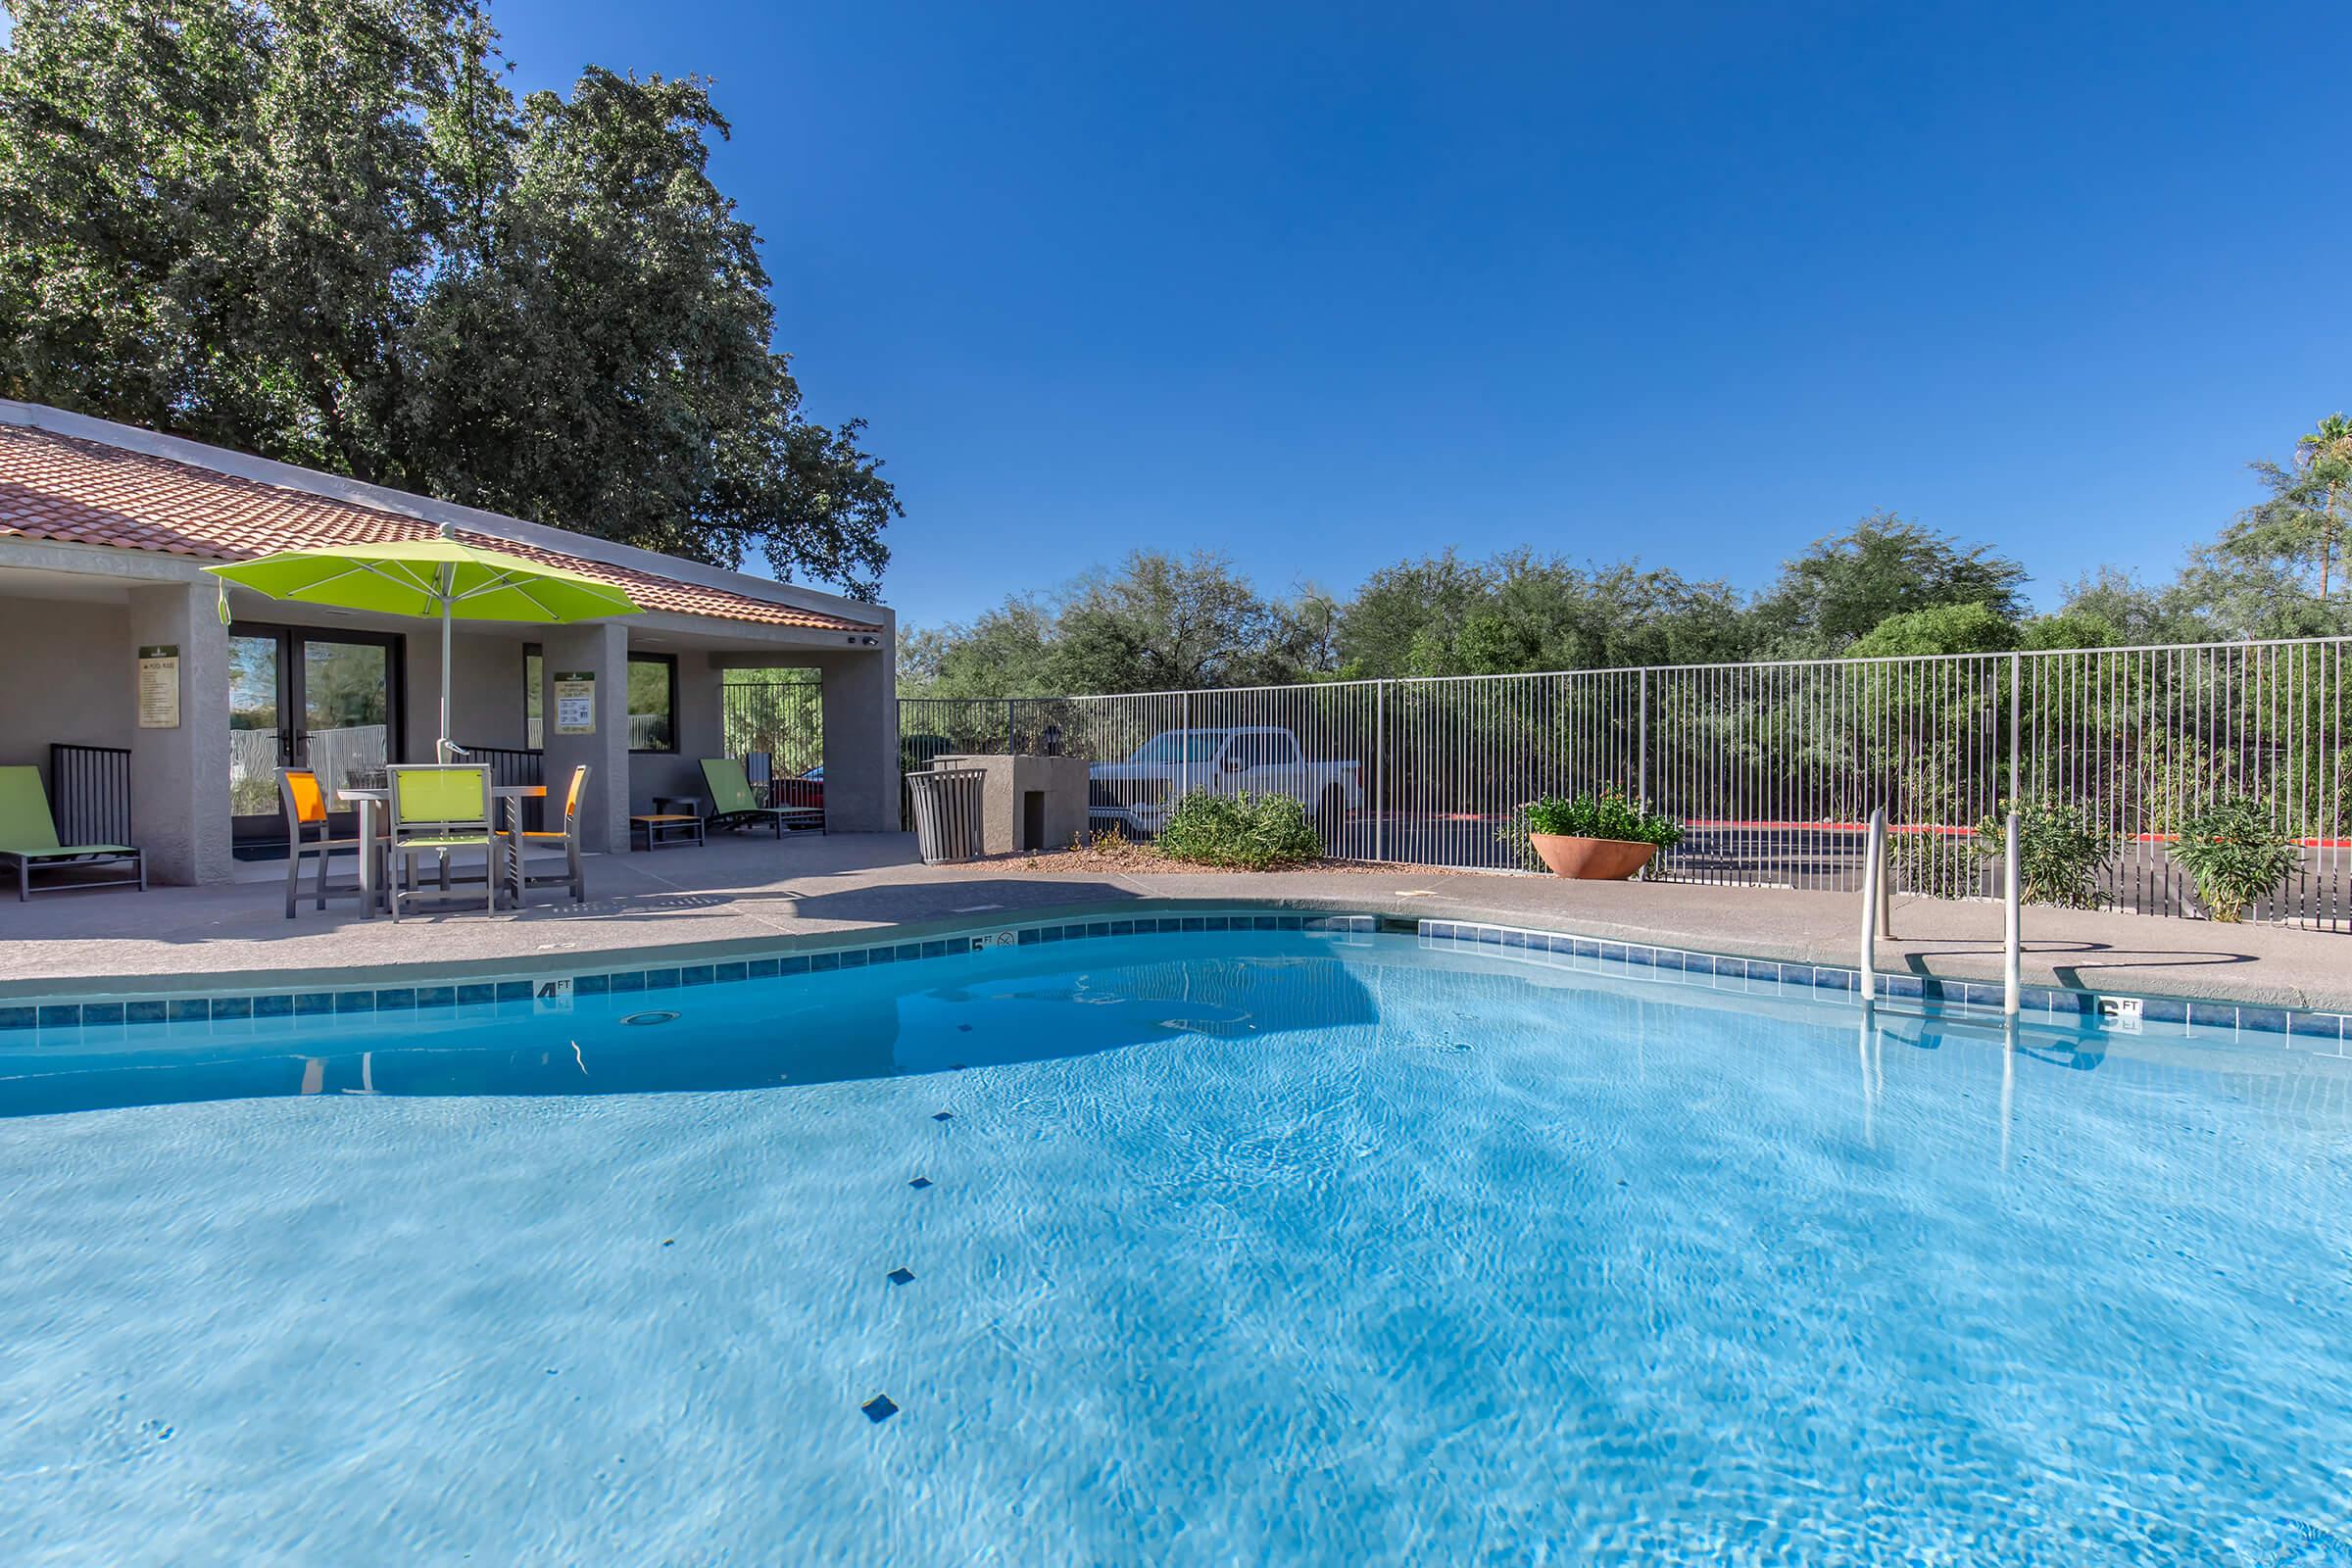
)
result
[(243, 466)]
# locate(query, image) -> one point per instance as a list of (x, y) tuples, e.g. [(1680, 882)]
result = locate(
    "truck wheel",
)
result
[(1331, 812)]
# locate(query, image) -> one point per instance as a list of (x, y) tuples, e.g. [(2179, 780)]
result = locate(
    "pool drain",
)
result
[(653, 1017)]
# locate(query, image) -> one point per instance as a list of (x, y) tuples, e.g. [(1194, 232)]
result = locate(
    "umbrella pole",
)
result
[(443, 752)]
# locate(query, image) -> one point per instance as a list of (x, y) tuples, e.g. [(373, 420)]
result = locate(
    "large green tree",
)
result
[(1522, 612), (1159, 623), (2324, 473), (325, 231), (2136, 611), (2272, 573), (1843, 586)]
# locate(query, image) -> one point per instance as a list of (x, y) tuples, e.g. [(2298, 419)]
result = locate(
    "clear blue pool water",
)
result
[(1237, 1246)]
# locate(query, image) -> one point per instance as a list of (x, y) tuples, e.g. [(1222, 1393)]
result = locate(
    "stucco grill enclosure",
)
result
[(1026, 802), (429, 577)]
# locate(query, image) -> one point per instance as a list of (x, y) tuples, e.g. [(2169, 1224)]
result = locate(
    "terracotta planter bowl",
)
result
[(1591, 859)]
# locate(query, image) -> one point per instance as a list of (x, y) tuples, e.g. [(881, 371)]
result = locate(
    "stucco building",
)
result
[(118, 679)]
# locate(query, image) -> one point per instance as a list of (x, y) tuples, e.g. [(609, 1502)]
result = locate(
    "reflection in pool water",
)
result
[(1247, 1246)]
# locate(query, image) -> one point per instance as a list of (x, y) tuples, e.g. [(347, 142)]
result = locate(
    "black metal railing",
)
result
[(89, 793), (780, 712), (511, 765)]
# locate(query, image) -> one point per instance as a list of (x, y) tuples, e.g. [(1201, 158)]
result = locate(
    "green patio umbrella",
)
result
[(428, 577)]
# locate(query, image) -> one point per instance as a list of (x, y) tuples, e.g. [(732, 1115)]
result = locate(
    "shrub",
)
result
[(1939, 865), (2235, 853), (2061, 851), (1609, 814), (1249, 832)]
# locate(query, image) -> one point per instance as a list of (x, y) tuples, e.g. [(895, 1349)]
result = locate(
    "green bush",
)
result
[(1609, 814), (2062, 850), (2235, 853), (1938, 866), (1244, 832)]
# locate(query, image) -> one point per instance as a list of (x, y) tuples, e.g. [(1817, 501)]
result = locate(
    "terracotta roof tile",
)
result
[(77, 491)]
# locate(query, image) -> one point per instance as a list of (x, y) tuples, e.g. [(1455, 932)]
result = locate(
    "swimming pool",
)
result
[(1193, 1246)]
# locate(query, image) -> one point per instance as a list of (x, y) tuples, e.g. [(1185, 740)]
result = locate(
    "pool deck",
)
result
[(742, 894)]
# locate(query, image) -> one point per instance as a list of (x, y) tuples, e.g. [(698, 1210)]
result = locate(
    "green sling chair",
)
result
[(732, 803), (29, 839)]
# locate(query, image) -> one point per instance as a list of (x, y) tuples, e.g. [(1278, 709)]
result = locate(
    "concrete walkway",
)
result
[(754, 893)]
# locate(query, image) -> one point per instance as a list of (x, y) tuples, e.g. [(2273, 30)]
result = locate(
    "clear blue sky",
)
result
[(1324, 287)]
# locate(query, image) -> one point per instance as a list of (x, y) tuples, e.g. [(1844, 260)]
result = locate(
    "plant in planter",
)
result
[(1595, 837), (2061, 851), (2235, 853)]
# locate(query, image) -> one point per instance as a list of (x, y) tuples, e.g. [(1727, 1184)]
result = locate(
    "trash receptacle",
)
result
[(947, 813)]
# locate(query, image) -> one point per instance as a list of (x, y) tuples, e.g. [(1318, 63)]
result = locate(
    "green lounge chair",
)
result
[(732, 803), (28, 838)]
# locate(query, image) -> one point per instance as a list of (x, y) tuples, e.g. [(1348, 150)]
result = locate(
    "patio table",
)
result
[(369, 799)]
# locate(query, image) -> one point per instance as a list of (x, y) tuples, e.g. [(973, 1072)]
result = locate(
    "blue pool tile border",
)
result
[(1646, 961), (248, 1008), (2038, 1004)]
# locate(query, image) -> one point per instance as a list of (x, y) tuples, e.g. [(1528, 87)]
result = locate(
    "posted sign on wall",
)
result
[(159, 686), (576, 702)]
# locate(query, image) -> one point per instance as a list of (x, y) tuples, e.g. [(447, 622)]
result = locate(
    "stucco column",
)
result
[(600, 649), (180, 776), (860, 694)]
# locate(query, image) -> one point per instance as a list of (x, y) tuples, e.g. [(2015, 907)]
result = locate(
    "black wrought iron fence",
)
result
[(89, 793), (517, 766), (780, 712)]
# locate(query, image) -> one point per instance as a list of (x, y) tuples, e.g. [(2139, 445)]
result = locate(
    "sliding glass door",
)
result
[(329, 701)]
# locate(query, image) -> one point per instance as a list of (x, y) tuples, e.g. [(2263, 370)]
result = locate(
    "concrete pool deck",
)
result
[(746, 893)]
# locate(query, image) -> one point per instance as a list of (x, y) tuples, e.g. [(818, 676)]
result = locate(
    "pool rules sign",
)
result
[(159, 686), (576, 702)]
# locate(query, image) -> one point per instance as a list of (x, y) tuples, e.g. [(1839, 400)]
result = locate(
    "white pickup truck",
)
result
[(1247, 759)]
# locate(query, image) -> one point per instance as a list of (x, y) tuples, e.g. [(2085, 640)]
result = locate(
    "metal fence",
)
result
[(255, 754), (782, 714), (89, 793), (1773, 767), (938, 726)]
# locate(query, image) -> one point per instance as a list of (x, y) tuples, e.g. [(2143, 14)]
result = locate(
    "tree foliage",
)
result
[(1845, 585), (325, 231), (1968, 628), (2276, 570), (1161, 622), (1886, 587), (1522, 612)]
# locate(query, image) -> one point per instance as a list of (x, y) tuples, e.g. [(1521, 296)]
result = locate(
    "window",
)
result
[(653, 703), (1180, 746), (1259, 749)]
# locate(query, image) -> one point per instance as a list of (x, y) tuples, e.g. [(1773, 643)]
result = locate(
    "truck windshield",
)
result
[(1180, 746)]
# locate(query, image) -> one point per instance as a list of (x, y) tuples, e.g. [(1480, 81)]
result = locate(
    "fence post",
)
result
[(1184, 746), (1380, 771), (1641, 743), (2016, 704)]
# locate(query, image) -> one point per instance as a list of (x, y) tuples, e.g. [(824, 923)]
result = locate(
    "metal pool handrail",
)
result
[(2011, 923)]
